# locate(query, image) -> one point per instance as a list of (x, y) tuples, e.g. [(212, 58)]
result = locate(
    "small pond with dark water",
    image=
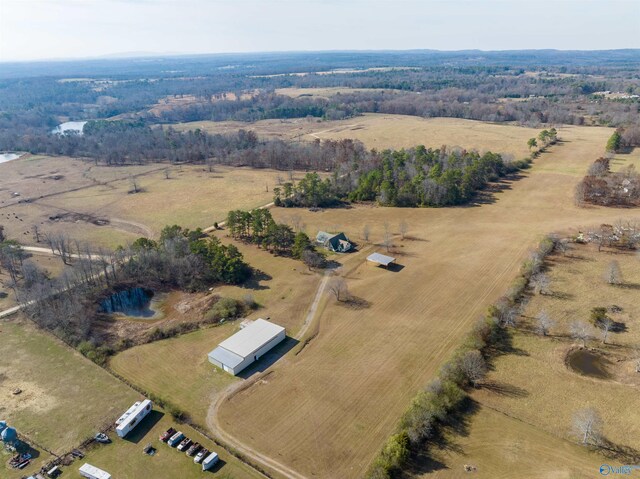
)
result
[(588, 363), (135, 302)]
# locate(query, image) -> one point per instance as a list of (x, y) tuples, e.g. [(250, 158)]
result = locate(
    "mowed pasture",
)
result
[(327, 411), (92, 203), (178, 369), (526, 406), (382, 131), (65, 397)]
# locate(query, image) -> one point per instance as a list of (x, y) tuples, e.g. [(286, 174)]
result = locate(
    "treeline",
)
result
[(408, 177), (259, 227), (623, 138), (66, 305), (446, 396), (601, 186), (127, 142)]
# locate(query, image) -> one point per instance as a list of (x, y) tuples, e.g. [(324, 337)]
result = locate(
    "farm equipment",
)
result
[(20, 461)]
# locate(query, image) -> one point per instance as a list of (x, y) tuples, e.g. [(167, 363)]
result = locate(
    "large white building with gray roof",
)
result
[(247, 346)]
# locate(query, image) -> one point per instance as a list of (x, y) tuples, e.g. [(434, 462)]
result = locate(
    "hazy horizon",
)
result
[(95, 29)]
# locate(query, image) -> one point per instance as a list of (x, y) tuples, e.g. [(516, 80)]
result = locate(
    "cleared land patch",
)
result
[(390, 131), (528, 400), (354, 379), (92, 203)]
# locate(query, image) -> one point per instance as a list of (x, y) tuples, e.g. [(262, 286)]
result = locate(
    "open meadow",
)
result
[(92, 203), (331, 406), (389, 131), (526, 405)]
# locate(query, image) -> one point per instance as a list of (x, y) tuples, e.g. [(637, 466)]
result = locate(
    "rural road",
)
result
[(212, 417)]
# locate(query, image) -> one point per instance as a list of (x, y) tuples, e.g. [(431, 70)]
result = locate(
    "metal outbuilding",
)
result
[(381, 259), (247, 346)]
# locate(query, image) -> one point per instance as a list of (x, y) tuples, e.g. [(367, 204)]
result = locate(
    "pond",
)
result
[(9, 156), (76, 126), (134, 302), (588, 363)]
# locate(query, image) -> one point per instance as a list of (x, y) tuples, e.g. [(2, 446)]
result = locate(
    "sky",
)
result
[(58, 29)]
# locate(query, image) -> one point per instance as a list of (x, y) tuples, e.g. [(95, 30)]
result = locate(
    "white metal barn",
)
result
[(247, 346), (92, 472), (132, 417)]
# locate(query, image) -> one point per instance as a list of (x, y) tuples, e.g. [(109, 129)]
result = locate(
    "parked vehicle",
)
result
[(102, 438), (204, 452), (186, 442), (175, 439), (193, 449), (210, 461), (164, 437)]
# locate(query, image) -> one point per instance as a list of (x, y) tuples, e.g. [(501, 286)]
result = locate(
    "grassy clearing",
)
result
[(527, 405), (84, 193), (177, 369), (330, 91), (124, 457), (391, 131), (329, 409), (623, 160), (65, 397)]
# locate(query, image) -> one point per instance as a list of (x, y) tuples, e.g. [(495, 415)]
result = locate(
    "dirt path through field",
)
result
[(327, 411)]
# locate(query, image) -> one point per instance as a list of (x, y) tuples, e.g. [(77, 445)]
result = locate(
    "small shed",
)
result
[(381, 259), (338, 242)]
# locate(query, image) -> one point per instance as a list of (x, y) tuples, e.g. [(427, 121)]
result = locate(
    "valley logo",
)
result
[(606, 469)]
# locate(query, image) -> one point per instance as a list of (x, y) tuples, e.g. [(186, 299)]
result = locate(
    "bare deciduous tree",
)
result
[(613, 274), (366, 233), (544, 323), (134, 184), (473, 366), (338, 287), (295, 222), (606, 325), (313, 259), (36, 233), (167, 173), (540, 283), (587, 426), (403, 227), (580, 330)]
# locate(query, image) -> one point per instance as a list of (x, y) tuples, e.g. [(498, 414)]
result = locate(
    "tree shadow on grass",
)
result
[(256, 278), (504, 389), (354, 302), (622, 453), (143, 428)]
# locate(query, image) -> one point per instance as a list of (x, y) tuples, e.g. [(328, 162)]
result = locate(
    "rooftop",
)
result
[(380, 259), (251, 338), (94, 471)]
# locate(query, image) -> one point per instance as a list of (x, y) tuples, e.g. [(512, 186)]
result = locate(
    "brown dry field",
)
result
[(192, 197), (168, 368), (328, 92), (327, 411), (526, 411), (389, 131)]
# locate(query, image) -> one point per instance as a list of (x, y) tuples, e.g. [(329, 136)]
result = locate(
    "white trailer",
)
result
[(92, 472), (209, 461), (132, 417)]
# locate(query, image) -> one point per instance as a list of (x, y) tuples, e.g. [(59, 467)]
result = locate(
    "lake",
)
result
[(4, 157), (69, 126)]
